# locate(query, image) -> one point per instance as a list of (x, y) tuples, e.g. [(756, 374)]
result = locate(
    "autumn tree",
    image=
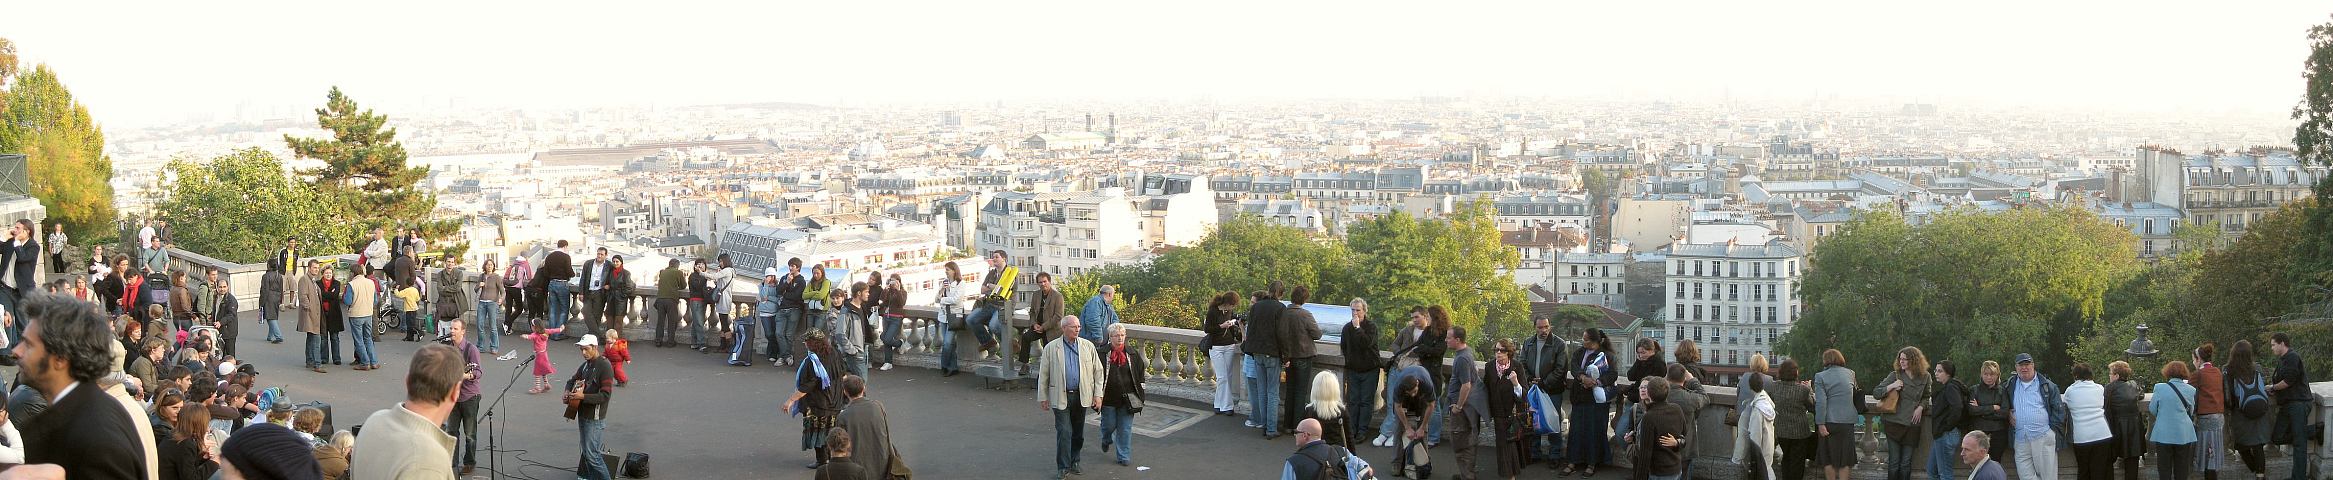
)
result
[(64, 148), (365, 177)]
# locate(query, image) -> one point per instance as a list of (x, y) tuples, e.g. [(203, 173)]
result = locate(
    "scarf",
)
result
[(1118, 355)]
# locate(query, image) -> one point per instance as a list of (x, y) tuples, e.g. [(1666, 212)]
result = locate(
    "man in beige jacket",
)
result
[(1069, 383)]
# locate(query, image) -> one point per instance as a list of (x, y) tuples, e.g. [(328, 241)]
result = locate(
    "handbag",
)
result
[(898, 468), (1886, 404)]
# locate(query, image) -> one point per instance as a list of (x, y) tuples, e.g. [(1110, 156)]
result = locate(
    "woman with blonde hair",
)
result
[(1328, 406), (332, 457)]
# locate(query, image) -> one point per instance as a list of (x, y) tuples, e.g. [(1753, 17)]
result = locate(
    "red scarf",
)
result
[(1118, 354)]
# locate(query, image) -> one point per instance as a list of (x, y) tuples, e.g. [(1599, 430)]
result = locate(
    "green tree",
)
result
[(1456, 263), (1245, 254), (2311, 272), (365, 177), (1967, 286), (248, 206), (65, 149)]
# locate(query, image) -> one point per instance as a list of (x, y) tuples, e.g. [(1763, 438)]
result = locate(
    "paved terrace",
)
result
[(700, 418)]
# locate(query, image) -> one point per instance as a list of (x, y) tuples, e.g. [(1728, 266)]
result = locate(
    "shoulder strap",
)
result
[(2183, 404)]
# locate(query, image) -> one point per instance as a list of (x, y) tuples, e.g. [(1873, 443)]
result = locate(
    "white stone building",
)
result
[(1734, 300)]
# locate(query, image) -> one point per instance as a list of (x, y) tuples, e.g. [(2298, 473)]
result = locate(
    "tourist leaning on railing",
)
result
[(1794, 429), (2210, 404), (1835, 416), (2173, 432), (1358, 343), (2248, 428), (1591, 396), (2124, 418), (1222, 345), (1909, 383), (2093, 441)]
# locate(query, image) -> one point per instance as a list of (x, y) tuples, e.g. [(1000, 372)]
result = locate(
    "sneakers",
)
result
[(1383, 441), (1253, 424), (886, 367)]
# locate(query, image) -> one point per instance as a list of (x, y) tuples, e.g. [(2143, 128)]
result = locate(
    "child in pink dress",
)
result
[(543, 368)]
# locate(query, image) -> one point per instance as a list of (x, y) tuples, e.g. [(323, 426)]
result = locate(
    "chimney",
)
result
[(1089, 122)]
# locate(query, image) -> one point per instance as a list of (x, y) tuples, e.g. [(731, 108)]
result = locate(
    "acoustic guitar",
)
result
[(573, 404)]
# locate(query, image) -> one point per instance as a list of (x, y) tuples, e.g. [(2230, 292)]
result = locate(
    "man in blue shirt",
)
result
[(1098, 314), (2034, 406), (1069, 384)]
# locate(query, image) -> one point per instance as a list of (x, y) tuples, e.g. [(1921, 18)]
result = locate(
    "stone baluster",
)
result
[(911, 337)]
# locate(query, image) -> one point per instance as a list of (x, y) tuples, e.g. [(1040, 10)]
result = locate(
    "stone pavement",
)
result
[(699, 418)]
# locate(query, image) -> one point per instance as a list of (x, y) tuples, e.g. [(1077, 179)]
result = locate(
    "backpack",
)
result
[(1353, 468), (2253, 402)]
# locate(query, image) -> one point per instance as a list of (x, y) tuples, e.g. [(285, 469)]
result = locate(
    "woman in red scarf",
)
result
[(1122, 395)]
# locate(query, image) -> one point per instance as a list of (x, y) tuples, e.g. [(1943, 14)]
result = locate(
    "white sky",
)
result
[(139, 62)]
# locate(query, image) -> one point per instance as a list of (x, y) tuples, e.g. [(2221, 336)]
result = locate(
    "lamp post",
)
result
[(2141, 347)]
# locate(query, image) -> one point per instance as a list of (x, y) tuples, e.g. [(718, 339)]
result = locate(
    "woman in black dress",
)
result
[(1502, 385)]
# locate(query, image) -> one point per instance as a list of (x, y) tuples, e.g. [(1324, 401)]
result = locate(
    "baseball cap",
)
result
[(588, 340), (769, 272), (2024, 358)]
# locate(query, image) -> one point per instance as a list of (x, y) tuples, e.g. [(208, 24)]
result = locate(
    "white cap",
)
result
[(769, 272), (588, 340)]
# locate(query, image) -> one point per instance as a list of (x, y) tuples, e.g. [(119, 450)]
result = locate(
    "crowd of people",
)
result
[(1784, 417), (159, 350)]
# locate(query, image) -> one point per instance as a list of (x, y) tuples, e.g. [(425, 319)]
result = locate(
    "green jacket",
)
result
[(671, 284)]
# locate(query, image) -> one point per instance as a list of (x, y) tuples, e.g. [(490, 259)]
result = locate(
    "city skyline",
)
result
[(165, 63)]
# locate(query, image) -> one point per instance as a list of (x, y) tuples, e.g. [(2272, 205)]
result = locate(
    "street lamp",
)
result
[(2141, 347)]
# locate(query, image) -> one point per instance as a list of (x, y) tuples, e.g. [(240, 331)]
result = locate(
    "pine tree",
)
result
[(365, 177)]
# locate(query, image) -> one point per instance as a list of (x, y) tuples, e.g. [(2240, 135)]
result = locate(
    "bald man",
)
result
[(1973, 451), (1312, 455)]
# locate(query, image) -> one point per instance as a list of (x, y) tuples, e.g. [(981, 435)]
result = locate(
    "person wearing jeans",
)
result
[(1946, 408), (1069, 384), (2290, 390), (555, 306), (784, 292), (778, 333), (1264, 401), (359, 300), (950, 303), (700, 290), (308, 303), (490, 293)]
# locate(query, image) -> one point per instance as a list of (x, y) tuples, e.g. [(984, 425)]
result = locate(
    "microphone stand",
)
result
[(493, 429)]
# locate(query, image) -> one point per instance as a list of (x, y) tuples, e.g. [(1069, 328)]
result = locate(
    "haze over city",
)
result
[(163, 62)]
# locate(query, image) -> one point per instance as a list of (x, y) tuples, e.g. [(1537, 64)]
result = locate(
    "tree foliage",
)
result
[(1967, 286), (365, 178), (2310, 275), (247, 206), (1395, 262), (1455, 263), (65, 149)]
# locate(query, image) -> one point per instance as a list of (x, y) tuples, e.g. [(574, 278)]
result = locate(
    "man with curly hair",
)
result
[(67, 346)]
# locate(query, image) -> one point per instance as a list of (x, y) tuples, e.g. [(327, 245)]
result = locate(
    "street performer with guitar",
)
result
[(587, 403)]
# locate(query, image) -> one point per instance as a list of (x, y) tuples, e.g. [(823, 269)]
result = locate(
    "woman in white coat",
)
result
[(1754, 434)]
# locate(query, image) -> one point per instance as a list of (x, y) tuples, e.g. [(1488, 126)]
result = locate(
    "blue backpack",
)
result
[(2252, 401)]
